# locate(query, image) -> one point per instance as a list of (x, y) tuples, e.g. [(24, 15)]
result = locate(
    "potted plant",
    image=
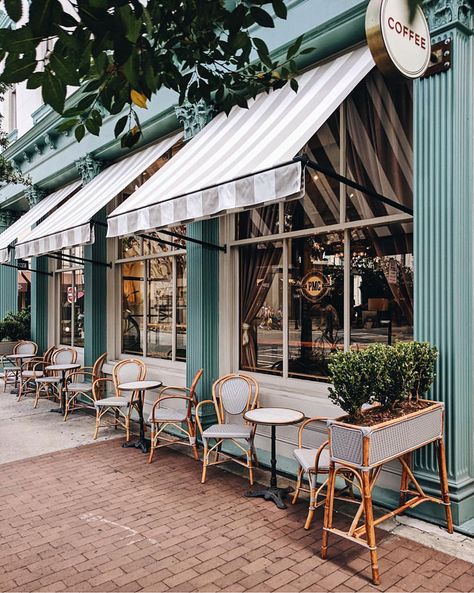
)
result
[(13, 328), (382, 389)]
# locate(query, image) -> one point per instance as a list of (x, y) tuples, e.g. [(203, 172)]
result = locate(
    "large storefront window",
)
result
[(71, 301), (323, 282), (154, 297)]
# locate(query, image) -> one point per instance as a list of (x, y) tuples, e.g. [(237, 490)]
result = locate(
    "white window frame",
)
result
[(65, 266)]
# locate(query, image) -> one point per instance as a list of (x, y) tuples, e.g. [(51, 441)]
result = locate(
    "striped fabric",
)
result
[(243, 160), (22, 227), (72, 224)]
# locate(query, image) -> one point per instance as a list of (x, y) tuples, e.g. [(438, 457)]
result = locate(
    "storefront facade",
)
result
[(299, 278)]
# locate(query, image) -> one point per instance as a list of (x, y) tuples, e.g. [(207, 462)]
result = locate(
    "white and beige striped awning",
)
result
[(245, 159), (72, 224), (21, 229)]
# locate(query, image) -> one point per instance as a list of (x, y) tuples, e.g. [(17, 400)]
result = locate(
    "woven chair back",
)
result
[(192, 389), (64, 356), (48, 355), (233, 395), (98, 366), (25, 347), (128, 370)]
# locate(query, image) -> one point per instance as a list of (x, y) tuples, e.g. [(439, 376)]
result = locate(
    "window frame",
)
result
[(66, 266)]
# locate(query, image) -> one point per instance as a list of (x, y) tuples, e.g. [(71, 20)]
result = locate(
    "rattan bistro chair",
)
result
[(117, 405), (31, 370), (162, 417), (11, 370), (49, 384), (232, 396), (79, 385), (311, 463)]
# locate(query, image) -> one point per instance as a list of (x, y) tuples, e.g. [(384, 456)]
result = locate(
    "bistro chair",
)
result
[(232, 396), (162, 417), (79, 385), (31, 370), (117, 405), (11, 368), (314, 462), (49, 384)]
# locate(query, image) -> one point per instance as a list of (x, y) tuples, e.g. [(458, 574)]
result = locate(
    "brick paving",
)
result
[(99, 518)]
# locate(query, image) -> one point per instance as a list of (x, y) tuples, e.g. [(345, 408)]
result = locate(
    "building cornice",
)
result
[(446, 14)]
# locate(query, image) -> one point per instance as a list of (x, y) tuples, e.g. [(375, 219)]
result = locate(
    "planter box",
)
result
[(6, 347), (370, 446)]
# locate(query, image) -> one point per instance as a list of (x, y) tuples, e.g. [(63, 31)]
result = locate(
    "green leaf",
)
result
[(294, 84), (35, 80), (79, 132), (120, 125), (62, 67), (14, 9), (86, 102), (280, 8), (54, 91), (130, 139), (92, 126), (261, 17), (18, 69), (43, 16), (67, 125), (293, 49), (131, 23)]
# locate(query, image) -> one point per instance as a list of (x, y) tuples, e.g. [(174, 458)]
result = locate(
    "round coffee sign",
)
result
[(398, 44)]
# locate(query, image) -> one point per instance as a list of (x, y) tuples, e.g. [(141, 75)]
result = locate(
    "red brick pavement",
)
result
[(99, 518)]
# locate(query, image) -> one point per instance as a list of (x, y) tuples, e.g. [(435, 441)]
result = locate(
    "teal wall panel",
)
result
[(8, 290), (39, 303)]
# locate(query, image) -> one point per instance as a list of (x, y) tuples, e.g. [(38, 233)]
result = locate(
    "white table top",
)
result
[(274, 416), (18, 356), (63, 367), (139, 385)]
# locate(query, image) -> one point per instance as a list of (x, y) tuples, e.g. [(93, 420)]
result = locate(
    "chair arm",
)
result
[(318, 454), (98, 385), (168, 387), (156, 403), (198, 407), (80, 373), (304, 424)]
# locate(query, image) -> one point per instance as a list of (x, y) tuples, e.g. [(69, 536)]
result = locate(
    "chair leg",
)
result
[(192, 439), (443, 479), (37, 395), (313, 498), (204, 461), (250, 466), (97, 424), (127, 427), (152, 443), (370, 527), (328, 510), (299, 477)]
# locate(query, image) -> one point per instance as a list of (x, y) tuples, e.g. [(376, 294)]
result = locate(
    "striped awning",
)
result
[(72, 224), (21, 228), (245, 159)]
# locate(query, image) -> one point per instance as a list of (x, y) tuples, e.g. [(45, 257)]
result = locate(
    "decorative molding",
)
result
[(49, 141), (38, 148), (194, 116), (26, 157), (34, 195), (444, 13), (8, 217), (88, 168)]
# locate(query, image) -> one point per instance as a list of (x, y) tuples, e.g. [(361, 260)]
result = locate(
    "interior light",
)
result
[(351, 195), (315, 177)]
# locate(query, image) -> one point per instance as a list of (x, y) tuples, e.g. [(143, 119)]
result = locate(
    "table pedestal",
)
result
[(277, 495), (62, 406), (142, 443)]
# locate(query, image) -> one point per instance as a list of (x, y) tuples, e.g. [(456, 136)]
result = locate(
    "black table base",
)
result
[(144, 445), (277, 495)]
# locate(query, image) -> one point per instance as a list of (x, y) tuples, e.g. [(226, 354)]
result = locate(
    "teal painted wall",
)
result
[(8, 290), (39, 303)]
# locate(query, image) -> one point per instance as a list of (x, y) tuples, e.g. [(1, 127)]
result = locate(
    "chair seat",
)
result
[(168, 414), (48, 380), (306, 458), (227, 431), (12, 368), (31, 374), (84, 387), (115, 402)]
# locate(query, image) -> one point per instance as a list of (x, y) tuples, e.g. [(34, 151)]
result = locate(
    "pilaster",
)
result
[(203, 306), (39, 303), (444, 271), (194, 116), (8, 276)]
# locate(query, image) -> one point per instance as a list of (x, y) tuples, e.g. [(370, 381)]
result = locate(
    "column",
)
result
[(203, 306), (95, 276), (8, 276), (443, 195)]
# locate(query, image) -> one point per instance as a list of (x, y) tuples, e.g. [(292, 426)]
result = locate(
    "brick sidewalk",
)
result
[(99, 518)]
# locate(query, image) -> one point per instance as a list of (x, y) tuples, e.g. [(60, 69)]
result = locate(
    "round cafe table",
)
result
[(63, 369), (273, 417), (18, 359), (140, 387)]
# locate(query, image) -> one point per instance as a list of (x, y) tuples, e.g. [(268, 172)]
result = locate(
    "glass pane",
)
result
[(316, 304), (160, 308), (151, 247), (379, 145), (129, 247), (258, 222), (65, 311), (78, 298), (382, 287), (132, 307), (181, 302), (261, 308)]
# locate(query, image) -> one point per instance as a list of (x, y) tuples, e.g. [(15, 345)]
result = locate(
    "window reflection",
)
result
[(160, 308), (181, 307), (71, 295), (132, 307)]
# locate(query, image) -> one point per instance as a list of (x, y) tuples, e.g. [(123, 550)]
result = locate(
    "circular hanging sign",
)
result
[(314, 286), (398, 45)]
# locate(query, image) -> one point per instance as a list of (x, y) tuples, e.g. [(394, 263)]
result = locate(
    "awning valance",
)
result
[(72, 224), (21, 228), (245, 159)]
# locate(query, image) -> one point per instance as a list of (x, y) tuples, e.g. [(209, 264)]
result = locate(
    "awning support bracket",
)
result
[(222, 248), (313, 165), (20, 268), (76, 259), (158, 240)]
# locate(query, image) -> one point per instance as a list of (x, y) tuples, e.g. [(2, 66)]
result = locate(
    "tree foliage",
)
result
[(121, 52)]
